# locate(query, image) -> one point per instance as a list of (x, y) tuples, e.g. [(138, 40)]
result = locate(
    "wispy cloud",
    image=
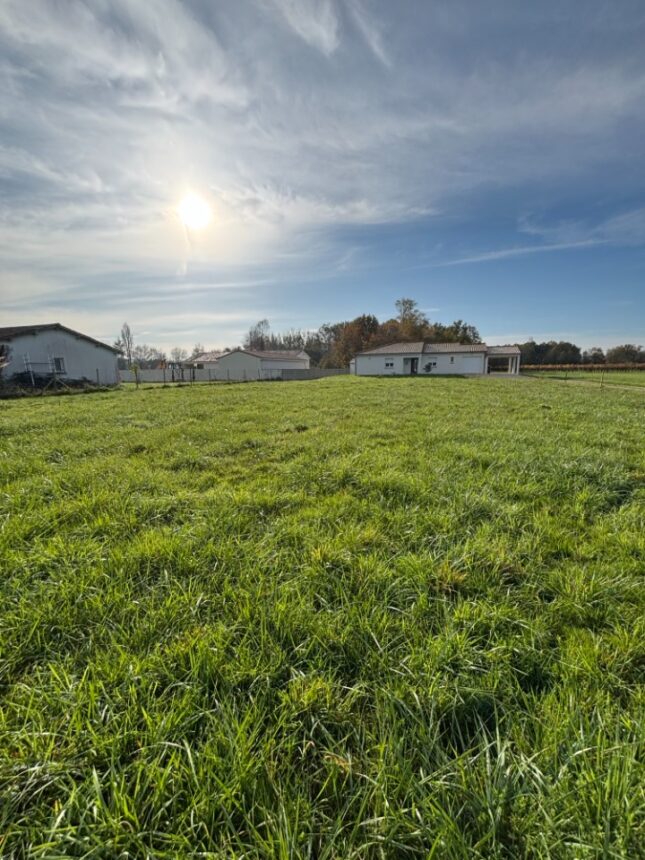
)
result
[(315, 21), (506, 253), (370, 31), (304, 121)]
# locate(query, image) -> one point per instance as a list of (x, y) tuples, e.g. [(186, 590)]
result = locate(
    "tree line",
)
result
[(335, 344), (148, 357), (563, 352)]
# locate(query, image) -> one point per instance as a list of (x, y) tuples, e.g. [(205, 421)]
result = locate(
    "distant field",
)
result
[(350, 618), (612, 377)]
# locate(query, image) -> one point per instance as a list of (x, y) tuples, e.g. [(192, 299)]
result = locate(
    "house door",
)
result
[(414, 366)]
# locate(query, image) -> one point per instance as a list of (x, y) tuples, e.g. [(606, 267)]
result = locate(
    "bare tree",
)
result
[(197, 350), (178, 354), (126, 342), (258, 336)]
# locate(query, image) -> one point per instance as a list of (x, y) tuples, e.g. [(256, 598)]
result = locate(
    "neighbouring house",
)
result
[(438, 359), (52, 351), (248, 364), (206, 360)]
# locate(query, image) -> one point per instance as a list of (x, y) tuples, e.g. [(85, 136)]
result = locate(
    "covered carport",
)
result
[(503, 359)]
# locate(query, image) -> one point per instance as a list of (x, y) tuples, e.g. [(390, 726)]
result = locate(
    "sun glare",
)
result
[(195, 213)]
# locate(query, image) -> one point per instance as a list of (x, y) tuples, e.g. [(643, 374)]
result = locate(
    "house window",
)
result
[(452, 359), (389, 364), (59, 365)]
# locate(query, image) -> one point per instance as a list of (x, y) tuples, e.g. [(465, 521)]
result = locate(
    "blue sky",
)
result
[(486, 159)]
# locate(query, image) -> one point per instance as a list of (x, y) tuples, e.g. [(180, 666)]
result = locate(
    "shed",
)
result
[(247, 364)]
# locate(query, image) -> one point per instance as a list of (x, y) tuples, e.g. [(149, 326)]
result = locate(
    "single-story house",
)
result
[(410, 359), (241, 364), (53, 351), (206, 360)]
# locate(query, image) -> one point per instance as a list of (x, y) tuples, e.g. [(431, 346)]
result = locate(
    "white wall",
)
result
[(239, 366), (83, 359), (464, 362), (375, 365)]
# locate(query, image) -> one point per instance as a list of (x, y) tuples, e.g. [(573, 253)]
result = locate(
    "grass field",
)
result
[(612, 377), (349, 618)]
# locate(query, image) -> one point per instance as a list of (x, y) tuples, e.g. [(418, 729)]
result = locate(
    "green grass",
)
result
[(349, 618), (611, 377)]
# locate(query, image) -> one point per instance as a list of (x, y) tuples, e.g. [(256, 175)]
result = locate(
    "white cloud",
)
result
[(281, 115), (370, 31), (505, 253), (315, 21)]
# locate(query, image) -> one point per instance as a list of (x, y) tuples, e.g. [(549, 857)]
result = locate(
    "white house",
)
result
[(438, 359), (206, 360), (54, 350), (249, 364)]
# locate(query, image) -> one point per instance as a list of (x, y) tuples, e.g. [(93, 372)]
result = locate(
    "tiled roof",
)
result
[(420, 346), (395, 349), (504, 350), (454, 347), (276, 354), (213, 355), (9, 332)]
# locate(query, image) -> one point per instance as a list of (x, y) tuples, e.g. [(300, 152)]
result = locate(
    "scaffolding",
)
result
[(33, 368)]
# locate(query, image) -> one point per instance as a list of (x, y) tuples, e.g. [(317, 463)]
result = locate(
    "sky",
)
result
[(485, 159)]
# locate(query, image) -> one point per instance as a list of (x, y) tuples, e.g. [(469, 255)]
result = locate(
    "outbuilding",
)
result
[(206, 360), (438, 359), (247, 364), (54, 352)]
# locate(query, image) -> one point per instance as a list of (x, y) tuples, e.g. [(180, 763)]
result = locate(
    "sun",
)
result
[(194, 211)]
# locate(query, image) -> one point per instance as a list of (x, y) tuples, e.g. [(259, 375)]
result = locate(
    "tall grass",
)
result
[(348, 618)]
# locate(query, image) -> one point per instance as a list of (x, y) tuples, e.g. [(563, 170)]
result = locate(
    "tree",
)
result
[(595, 355), (551, 352), (627, 353), (562, 352), (198, 349), (178, 355), (126, 342), (146, 356), (412, 321), (258, 336)]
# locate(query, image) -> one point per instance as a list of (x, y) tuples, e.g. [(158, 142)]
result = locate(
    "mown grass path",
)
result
[(349, 618)]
